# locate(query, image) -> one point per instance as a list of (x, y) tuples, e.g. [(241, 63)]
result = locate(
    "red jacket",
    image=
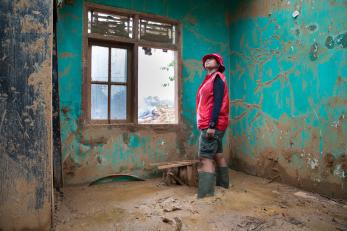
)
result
[(204, 103)]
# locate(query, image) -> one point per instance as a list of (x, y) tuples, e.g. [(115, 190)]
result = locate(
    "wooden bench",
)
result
[(179, 172)]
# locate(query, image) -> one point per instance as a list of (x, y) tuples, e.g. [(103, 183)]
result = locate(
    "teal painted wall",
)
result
[(92, 152), (289, 92)]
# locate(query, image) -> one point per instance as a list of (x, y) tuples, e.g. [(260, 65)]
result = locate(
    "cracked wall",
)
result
[(92, 152), (289, 92)]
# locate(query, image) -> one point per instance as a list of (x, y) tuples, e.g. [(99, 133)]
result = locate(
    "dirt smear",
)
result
[(252, 9), (25, 194), (41, 81)]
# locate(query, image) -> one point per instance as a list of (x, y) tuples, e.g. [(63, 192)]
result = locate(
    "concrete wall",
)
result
[(289, 92), (92, 152), (25, 115)]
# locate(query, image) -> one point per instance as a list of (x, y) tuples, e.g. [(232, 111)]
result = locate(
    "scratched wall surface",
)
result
[(289, 92), (92, 152), (25, 115)]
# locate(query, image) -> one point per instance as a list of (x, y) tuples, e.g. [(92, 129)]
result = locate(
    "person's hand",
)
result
[(210, 133)]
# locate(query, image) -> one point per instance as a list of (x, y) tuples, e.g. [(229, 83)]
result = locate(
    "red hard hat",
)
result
[(219, 59)]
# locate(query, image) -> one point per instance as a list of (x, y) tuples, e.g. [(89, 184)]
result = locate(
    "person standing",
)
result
[(212, 109)]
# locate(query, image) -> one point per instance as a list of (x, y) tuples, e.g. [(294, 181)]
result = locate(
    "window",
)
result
[(109, 83), (156, 31), (110, 24), (132, 67), (156, 94)]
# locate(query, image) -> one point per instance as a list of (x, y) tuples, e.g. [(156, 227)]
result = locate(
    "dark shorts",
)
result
[(209, 147)]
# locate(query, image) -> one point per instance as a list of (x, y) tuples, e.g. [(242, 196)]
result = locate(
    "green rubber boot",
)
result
[(222, 177), (206, 184)]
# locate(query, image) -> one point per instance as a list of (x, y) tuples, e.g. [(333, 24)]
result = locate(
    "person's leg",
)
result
[(220, 160), (207, 178), (206, 165), (206, 169), (222, 171)]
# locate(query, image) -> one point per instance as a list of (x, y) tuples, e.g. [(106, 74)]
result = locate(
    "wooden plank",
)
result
[(190, 175), (176, 165), (182, 173), (163, 163), (173, 162)]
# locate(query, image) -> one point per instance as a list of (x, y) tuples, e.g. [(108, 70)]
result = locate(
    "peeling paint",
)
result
[(329, 42), (31, 24), (314, 51), (341, 40)]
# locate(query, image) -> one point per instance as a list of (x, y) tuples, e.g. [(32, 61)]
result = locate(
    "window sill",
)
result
[(133, 126)]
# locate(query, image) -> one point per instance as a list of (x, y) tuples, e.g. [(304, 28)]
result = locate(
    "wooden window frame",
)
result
[(133, 44), (109, 83)]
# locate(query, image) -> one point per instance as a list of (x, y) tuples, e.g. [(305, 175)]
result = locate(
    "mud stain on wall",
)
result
[(25, 112), (293, 69)]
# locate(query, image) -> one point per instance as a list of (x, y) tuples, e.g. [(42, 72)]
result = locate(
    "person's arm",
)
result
[(218, 93)]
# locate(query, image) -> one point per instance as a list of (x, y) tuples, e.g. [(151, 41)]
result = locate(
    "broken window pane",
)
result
[(118, 102), (110, 24), (157, 86), (99, 63), (157, 31), (118, 65), (99, 95)]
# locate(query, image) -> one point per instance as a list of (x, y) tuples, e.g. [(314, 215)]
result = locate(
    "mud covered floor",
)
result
[(251, 204)]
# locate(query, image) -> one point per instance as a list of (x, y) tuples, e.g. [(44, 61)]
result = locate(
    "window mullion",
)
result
[(136, 27), (134, 85), (119, 83), (109, 87)]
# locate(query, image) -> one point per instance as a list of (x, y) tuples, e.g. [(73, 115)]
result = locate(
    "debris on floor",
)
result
[(304, 195), (179, 172), (248, 205)]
